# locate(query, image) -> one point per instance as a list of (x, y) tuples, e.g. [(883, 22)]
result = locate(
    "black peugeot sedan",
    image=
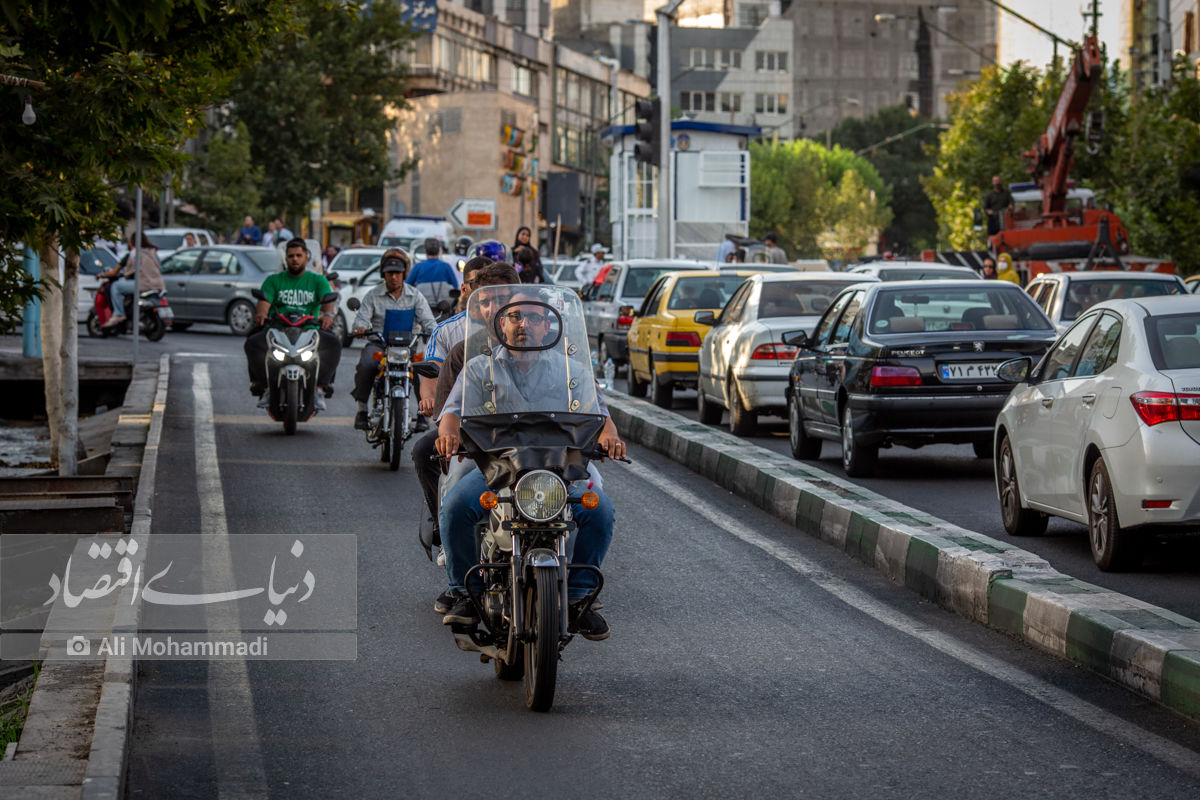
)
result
[(909, 363)]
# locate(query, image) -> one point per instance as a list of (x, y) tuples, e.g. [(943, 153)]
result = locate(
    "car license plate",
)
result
[(967, 371)]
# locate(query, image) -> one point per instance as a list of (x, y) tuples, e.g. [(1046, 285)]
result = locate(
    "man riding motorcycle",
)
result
[(294, 290), (518, 375), (393, 294)]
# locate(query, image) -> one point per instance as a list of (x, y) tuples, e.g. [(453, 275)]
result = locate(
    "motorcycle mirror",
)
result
[(332, 297), (427, 369), (331, 276), (455, 293), (353, 304), (257, 294)]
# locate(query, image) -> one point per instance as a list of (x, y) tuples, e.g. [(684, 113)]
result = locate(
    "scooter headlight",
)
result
[(540, 495), (278, 355), (306, 356)]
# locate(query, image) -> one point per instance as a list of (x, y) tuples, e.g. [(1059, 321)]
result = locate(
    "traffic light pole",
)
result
[(664, 246)]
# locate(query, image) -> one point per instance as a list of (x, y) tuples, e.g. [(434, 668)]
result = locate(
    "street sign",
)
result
[(473, 214)]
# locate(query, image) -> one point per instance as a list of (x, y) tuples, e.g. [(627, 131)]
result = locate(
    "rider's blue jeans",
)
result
[(461, 511)]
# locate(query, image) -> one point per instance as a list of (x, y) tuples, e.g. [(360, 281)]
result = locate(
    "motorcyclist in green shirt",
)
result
[(296, 289)]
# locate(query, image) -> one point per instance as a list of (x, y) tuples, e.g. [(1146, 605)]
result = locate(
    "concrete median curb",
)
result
[(1148, 649)]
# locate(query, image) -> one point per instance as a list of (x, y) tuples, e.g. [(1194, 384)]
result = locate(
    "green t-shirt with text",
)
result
[(301, 294)]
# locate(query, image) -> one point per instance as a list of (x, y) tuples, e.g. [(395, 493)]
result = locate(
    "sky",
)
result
[(1021, 42)]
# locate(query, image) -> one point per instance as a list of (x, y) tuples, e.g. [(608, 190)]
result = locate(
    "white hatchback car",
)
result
[(1105, 431), (744, 363)]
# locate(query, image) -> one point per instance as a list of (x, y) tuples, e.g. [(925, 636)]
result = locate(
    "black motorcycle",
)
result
[(531, 441), (293, 364)]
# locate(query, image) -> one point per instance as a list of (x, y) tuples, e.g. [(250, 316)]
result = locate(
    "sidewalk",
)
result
[(1148, 649)]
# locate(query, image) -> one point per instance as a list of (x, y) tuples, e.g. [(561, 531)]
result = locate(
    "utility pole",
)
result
[(924, 68), (664, 247), (1095, 15)]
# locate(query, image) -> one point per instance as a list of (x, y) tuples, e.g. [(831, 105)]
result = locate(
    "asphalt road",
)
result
[(949, 482), (745, 658)]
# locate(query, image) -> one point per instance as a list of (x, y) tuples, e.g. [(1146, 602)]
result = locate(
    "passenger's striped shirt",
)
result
[(446, 334)]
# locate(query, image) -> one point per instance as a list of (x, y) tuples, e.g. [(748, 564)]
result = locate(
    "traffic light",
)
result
[(647, 131)]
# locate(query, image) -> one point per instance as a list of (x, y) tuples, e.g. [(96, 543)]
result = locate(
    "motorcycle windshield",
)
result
[(529, 396), (526, 351)]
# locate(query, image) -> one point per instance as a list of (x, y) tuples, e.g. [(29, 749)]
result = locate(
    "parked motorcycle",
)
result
[(530, 420), (293, 364), (154, 314), (389, 409)]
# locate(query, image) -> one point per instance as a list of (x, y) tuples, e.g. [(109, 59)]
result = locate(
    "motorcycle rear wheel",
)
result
[(93, 325), (153, 326), (542, 619), (291, 409), (396, 433)]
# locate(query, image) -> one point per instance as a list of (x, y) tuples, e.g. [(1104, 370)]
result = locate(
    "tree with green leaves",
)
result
[(812, 197), (320, 104), (903, 149), (223, 181), (125, 85)]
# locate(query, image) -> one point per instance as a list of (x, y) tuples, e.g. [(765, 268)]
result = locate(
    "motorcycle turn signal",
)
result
[(590, 500), (488, 500)]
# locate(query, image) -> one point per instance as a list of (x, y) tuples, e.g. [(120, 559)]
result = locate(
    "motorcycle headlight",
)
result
[(278, 355), (306, 356), (398, 355), (540, 495)]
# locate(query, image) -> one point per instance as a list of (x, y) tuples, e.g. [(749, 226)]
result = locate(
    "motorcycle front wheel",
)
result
[(396, 433), (291, 409), (542, 618)]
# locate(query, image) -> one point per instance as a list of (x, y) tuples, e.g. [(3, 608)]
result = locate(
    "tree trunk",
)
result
[(52, 329), (68, 439)]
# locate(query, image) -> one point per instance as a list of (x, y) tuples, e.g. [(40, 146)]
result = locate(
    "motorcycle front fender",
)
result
[(541, 557)]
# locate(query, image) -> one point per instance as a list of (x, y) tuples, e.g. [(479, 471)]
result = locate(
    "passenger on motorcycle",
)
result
[(148, 273), (391, 295), (448, 333), (296, 289), (519, 377)]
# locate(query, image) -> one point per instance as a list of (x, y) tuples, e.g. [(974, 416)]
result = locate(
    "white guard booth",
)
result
[(711, 190)]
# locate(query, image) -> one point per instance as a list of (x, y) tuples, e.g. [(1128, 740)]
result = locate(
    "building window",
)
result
[(524, 81), (698, 58), (698, 101), (770, 103), (752, 15), (908, 65), (770, 61), (731, 101), (852, 63), (822, 24), (824, 65), (728, 59)]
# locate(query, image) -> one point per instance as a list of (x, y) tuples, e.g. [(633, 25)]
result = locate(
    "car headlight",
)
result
[(278, 355), (307, 355), (540, 495), (397, 355)]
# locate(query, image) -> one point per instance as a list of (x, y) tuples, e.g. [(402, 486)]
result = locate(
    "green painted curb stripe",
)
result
[(921, 567), (1006, 606), (1180, 682)]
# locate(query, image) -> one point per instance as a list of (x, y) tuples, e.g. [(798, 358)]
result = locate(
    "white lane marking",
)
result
[(237, 751), (1181, 758)]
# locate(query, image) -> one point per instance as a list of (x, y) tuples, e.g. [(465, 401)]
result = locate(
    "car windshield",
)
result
[(527, 351), (1082, 295), (396, 241), (166, 241), (639, 281), (567, 272), (1175, 341), (96, 260), (797, 298), (921, 274), (993, 308), (264, 259), (350, 260), (710, 291)]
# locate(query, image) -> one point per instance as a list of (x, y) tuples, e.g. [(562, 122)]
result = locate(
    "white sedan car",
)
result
[(1105, 431), (743, 361)]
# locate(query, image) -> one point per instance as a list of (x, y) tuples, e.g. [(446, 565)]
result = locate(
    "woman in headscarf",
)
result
[(530, 263)]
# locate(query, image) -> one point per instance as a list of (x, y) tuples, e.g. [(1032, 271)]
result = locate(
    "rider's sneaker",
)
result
[(444, 602), (264, 400), (421, 425), (462, 612), (441, 556), (360, 421), (319, 399), (589, 625)]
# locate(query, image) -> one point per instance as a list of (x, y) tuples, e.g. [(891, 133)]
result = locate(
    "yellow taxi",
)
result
[(664, 339)]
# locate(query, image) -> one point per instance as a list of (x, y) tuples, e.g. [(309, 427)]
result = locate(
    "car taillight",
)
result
[(683, 339), (1156, 407), (624, 321), (895, 376), (774, 351)]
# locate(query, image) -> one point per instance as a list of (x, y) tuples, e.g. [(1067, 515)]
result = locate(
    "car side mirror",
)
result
[(257, 294), (705, 318), (354, 281), (796, 339), (1015, 370), (353, 304)]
